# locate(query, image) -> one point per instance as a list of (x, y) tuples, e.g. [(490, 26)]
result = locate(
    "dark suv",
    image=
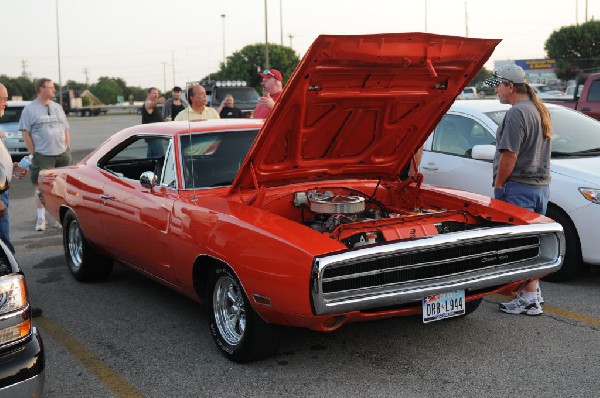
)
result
[(244, 97)]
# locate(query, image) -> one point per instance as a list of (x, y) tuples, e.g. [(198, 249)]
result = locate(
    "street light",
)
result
[(266, 40), (60, 90), (223, 20)]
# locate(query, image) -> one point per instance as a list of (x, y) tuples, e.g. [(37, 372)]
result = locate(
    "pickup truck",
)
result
[(588, 102)]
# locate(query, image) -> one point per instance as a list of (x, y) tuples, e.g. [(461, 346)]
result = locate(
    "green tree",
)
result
[(246, 63), (575, 48), (19, 86), (107, 89)]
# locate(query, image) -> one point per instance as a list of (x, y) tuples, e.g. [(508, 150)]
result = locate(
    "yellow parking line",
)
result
[(117, 384), (558, 311)]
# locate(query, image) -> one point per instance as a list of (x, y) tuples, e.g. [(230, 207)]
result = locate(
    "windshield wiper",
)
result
[(587, 152)]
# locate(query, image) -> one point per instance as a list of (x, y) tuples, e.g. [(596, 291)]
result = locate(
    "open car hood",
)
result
[(359, 106)]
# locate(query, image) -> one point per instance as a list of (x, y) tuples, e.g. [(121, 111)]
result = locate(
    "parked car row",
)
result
[(458, 154)]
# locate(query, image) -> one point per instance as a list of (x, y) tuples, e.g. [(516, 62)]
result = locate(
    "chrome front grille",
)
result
[(428, 263), (403, 272)]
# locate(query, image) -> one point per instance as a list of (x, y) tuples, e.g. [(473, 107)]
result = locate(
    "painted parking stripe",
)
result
[(110, 378), (590, 320)]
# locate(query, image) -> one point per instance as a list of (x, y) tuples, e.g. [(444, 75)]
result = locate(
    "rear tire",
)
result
[(573, 263), (85, 263), (239, 332)]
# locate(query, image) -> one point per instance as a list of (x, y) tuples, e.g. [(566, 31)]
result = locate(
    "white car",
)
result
[(545, 92), (459, 154)]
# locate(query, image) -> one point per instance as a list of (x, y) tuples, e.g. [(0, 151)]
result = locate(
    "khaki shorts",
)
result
[(41, 162)]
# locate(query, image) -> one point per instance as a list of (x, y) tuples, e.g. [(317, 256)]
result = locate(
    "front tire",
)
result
[(573, 263), (83, 261), (239, 332)]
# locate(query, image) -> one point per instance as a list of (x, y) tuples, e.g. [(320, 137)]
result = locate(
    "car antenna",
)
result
[(189, 88)]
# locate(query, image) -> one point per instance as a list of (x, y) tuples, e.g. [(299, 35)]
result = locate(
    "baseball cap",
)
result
[(271, 73), (509, 73)]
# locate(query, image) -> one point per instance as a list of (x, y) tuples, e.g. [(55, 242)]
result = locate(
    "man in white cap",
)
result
[(522, 161)]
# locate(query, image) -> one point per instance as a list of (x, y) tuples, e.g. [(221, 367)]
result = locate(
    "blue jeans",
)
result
[(531, 197), (4, 221)]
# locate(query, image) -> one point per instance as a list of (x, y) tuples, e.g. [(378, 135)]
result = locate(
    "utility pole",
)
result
[(425, 16), (281, 22), (291, 37), (466, 21), (87, 80), (24, 66), (173, 64), (58, 48), (266, 40), (164, 77), (223, 20)]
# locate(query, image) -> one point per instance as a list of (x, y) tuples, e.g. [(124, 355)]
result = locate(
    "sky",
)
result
[(166, 43)]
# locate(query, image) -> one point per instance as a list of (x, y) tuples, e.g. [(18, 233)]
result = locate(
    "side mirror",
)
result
[(148, 180), (483, 152)]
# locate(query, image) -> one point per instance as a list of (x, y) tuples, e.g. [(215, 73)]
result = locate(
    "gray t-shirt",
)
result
[(521, 132), (47, 125)]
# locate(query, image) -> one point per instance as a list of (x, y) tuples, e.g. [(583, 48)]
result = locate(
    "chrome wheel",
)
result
[(75, 244), (229, 310)]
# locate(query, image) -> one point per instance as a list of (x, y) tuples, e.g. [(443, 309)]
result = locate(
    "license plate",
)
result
[(443, 305)]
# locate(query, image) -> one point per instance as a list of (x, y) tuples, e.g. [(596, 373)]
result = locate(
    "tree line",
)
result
[(576, 49)]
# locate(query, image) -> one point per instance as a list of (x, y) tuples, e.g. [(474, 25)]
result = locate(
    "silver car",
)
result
[(9, 128)]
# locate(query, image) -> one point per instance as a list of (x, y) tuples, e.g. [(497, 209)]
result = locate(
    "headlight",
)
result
[(591, 194), (13, 294), (13, 297)]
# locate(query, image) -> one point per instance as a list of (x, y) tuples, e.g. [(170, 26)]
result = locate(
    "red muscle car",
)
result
[(312, 219)]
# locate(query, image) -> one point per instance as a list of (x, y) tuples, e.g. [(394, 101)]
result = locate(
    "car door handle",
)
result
[(586, 109), (432, 167), (106, 197)]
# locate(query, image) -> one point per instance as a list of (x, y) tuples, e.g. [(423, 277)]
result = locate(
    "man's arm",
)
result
[(506, 165), (67, 138), (28, 141)]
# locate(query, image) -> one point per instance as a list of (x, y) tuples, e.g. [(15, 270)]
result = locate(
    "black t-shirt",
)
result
[(175, 109), (231, 113), (153, 117)]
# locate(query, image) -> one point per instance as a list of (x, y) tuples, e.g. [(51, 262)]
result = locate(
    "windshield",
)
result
[(573, 133), (211, 160), (12, 114), (240, 94)]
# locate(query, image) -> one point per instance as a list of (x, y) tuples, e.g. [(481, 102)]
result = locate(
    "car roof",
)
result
[(483, 106), (16, 104)]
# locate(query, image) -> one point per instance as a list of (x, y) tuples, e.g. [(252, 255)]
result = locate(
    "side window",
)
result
[(594, 92), (137, 155), (457, 135), (169, 173)]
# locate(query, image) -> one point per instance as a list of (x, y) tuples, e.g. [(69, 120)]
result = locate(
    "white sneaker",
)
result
[(539, 295), (57, 225), (40, 224), (521, 306)]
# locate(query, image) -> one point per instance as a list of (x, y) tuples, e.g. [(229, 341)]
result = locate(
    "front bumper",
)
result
[(406, 271), (22, 368)]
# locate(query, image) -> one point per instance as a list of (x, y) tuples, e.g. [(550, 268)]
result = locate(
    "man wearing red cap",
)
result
[(272, 87)]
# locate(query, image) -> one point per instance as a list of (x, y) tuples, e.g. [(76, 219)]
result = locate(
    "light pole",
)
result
[(291, 37), (266, 40), (281, 22), (223, 20), (60, 92)]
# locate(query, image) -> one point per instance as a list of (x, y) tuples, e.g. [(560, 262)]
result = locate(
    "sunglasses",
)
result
[(268, 72)]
